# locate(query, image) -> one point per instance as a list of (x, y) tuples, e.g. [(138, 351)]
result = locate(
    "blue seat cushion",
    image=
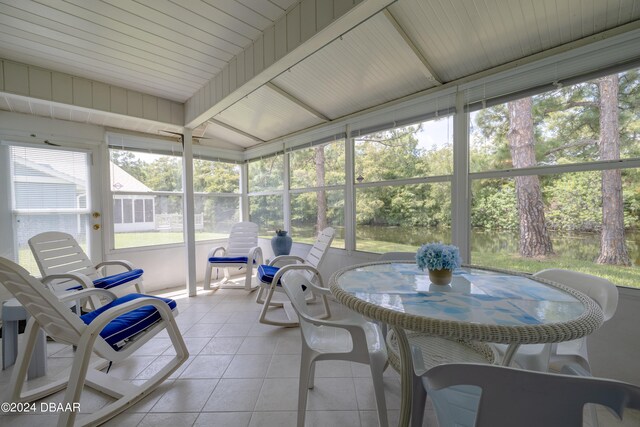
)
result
[(229, 260), (266, 273), (117, 279), (128, 324)]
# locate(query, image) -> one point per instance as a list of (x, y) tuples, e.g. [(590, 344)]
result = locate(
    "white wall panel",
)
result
[(16, 78), (40, 83), (82, 92)]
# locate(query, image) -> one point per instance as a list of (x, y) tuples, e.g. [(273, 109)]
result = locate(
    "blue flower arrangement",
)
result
[(437, 256)]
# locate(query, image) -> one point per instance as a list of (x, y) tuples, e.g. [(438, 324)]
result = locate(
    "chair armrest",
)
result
[(213, 251), (280, 258), (107, 316), (126, 264), (320, 289), (80, 278), (85, 293), (355, 329), (254, 255)]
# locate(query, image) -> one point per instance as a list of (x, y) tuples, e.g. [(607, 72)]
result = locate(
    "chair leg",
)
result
[(77, 379), (21, 367), (377, 365), (418, 400), (265, 307), (306, 373), (207, 277)]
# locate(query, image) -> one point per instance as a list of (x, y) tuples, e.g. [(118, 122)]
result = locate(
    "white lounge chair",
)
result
[(242, 250), (113, 332), (65, 266)]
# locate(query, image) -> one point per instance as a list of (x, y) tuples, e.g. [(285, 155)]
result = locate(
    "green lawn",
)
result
[(133, 240)]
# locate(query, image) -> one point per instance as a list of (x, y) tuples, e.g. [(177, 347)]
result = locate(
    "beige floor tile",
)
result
[(223, 345), (332, 394), (234, 395), (184, 419), (332, 418), (203, 330), (234, 330), (223, 419), (258, 345), (284, 366), (273, 419), (186, 396), (248, 366), (279, 394), (207, 366)]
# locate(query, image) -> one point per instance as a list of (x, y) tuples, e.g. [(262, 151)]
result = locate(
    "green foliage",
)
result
[(494, 205)]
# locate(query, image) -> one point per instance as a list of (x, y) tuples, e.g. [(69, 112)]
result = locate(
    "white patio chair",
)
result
[(498, 396), (542, 357), (65, 266), (242, 250), (113, 332), (269, 278), (347, 337)]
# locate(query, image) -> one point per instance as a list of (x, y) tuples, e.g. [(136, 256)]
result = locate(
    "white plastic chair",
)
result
[(348, 337), (542, 357), (65, 266), (269, 278), (498, 396), (242, 250), (113, 332)]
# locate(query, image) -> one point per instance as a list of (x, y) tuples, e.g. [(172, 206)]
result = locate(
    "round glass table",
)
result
[(480, 304)]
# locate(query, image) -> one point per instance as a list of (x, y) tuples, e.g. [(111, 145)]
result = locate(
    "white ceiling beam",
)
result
[(296, 101), (427, 68), (302, 31), (236, 130)]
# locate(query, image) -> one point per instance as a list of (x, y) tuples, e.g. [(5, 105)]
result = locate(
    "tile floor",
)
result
[(240, 373)]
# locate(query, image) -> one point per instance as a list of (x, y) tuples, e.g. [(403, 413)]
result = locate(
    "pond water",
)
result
[(579, 246)]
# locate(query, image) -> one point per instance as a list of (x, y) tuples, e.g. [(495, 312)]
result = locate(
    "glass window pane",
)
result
[(266, 174), (148, 210), (215, 177), (572, 210), (117, 211), (423, 149), (266, 211), (308, 218), (318, 166), (401, 218), (557, 127), (49, 193), (148, 218), (127, 211), (138, 207), (214, 216)]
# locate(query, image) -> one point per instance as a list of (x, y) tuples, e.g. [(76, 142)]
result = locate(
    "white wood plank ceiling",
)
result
[(172, 48)]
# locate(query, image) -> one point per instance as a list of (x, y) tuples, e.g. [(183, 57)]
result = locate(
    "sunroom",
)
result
[(146, 130)]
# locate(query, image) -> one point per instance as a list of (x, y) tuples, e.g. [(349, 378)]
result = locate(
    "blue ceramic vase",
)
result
[(281, 243)]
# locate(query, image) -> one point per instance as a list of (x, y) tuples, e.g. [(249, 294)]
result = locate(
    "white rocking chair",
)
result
[(65, 266), (113, 332), (242, 250), (269, 278)]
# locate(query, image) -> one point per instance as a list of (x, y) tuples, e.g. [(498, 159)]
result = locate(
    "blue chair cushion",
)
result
[(266, 273), (117, 279), (229, 260), (128, 324)]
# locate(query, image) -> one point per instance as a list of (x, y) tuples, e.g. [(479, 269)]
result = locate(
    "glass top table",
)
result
[(480, 304)]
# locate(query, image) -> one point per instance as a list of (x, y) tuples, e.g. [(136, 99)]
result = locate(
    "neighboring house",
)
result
[(47, 199), (131, 212)]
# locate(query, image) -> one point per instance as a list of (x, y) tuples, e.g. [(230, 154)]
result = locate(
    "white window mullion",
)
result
[(286, 196), (460, 193), (349, 194)]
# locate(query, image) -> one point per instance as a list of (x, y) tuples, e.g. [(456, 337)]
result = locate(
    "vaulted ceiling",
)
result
[(178, 52)]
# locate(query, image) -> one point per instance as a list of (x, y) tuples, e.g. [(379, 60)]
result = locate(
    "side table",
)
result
[(12, 313)]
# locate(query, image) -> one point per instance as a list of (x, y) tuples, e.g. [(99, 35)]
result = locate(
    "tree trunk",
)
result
[(613, 249), (321, 195), (534, 238)]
